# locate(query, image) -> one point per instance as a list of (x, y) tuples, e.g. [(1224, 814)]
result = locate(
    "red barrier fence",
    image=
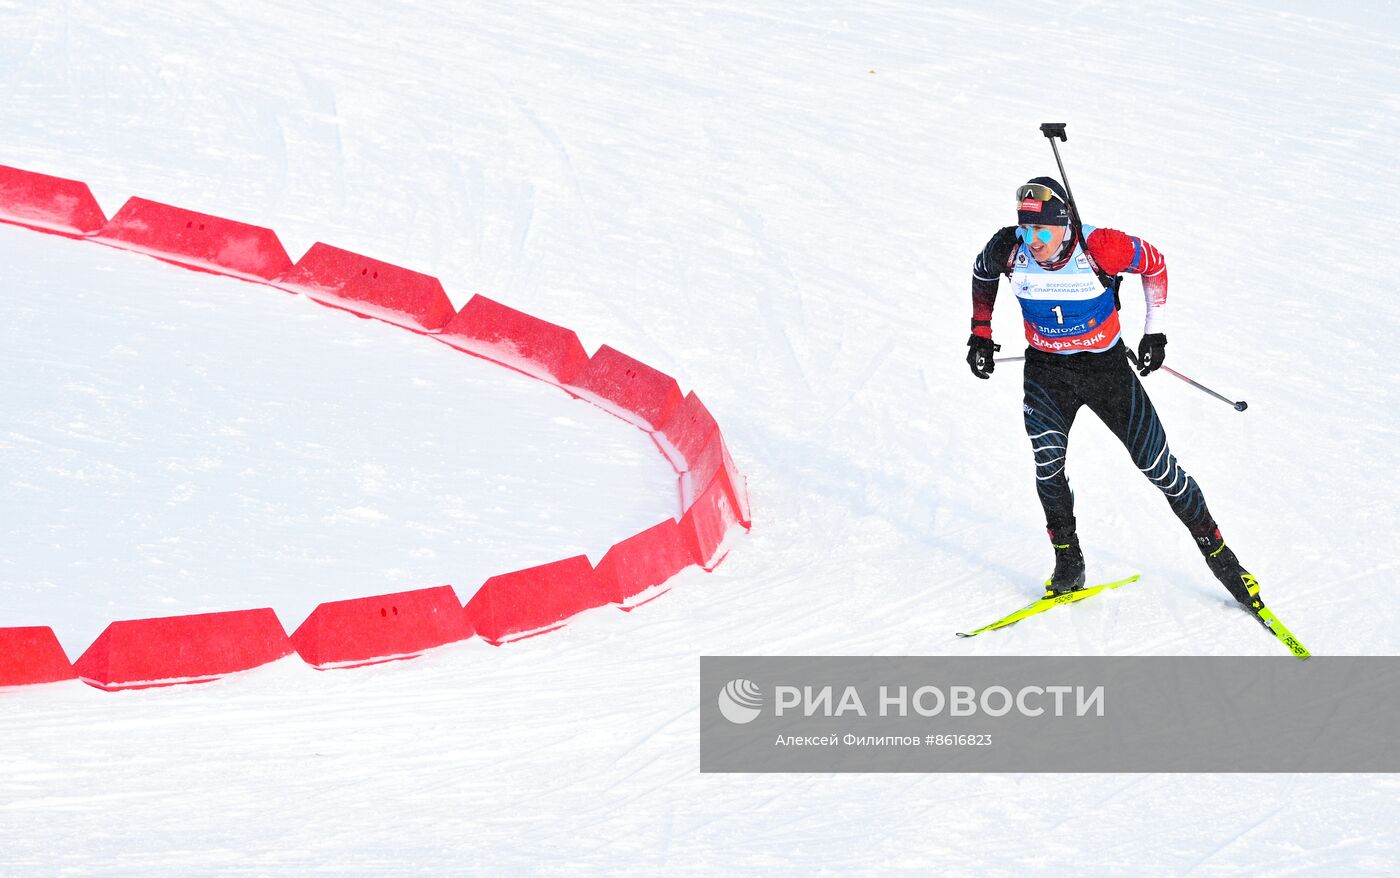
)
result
[(713, 458), (709, 521), (137, 653), (32, 655), (628, 388), (49, 204), (683, 435), (737, 485), (514, 338), (364, 631), (511, 606), (369, 288), (632, 569), (196, 240)]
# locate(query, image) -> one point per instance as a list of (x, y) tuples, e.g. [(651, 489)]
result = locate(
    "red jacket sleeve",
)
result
[(987, 270), (1116, 253)]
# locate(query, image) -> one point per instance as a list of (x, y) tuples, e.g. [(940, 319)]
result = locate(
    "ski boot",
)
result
[(1069, 565), (1239, 582)]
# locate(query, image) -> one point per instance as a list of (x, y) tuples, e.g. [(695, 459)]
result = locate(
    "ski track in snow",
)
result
[(729, 194)]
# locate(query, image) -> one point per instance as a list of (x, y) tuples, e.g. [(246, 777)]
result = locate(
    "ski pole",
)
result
[(1052, 131), (1239, 405), (1056, 130)]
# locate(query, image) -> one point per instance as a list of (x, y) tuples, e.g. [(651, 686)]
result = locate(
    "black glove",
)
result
[(1152, 350), (979, 355)]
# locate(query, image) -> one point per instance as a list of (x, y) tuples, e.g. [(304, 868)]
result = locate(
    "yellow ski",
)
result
[(1044, 604), (1285, 636)]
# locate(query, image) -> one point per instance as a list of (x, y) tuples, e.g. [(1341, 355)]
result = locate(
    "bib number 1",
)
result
[(1059, 315)]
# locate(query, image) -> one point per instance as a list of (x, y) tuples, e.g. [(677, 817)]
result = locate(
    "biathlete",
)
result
[(1076, 358)]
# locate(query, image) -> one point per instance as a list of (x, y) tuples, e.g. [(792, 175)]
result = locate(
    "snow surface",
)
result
[(780, 208), (178, 442)]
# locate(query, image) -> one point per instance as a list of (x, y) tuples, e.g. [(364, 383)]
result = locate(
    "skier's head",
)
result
[(1041, 201), (1042, 216)]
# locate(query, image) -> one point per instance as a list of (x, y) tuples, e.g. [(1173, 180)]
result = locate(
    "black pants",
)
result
[(1056, 385)]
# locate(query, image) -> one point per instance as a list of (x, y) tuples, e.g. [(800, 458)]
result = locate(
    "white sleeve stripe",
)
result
[(1155, 315)]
